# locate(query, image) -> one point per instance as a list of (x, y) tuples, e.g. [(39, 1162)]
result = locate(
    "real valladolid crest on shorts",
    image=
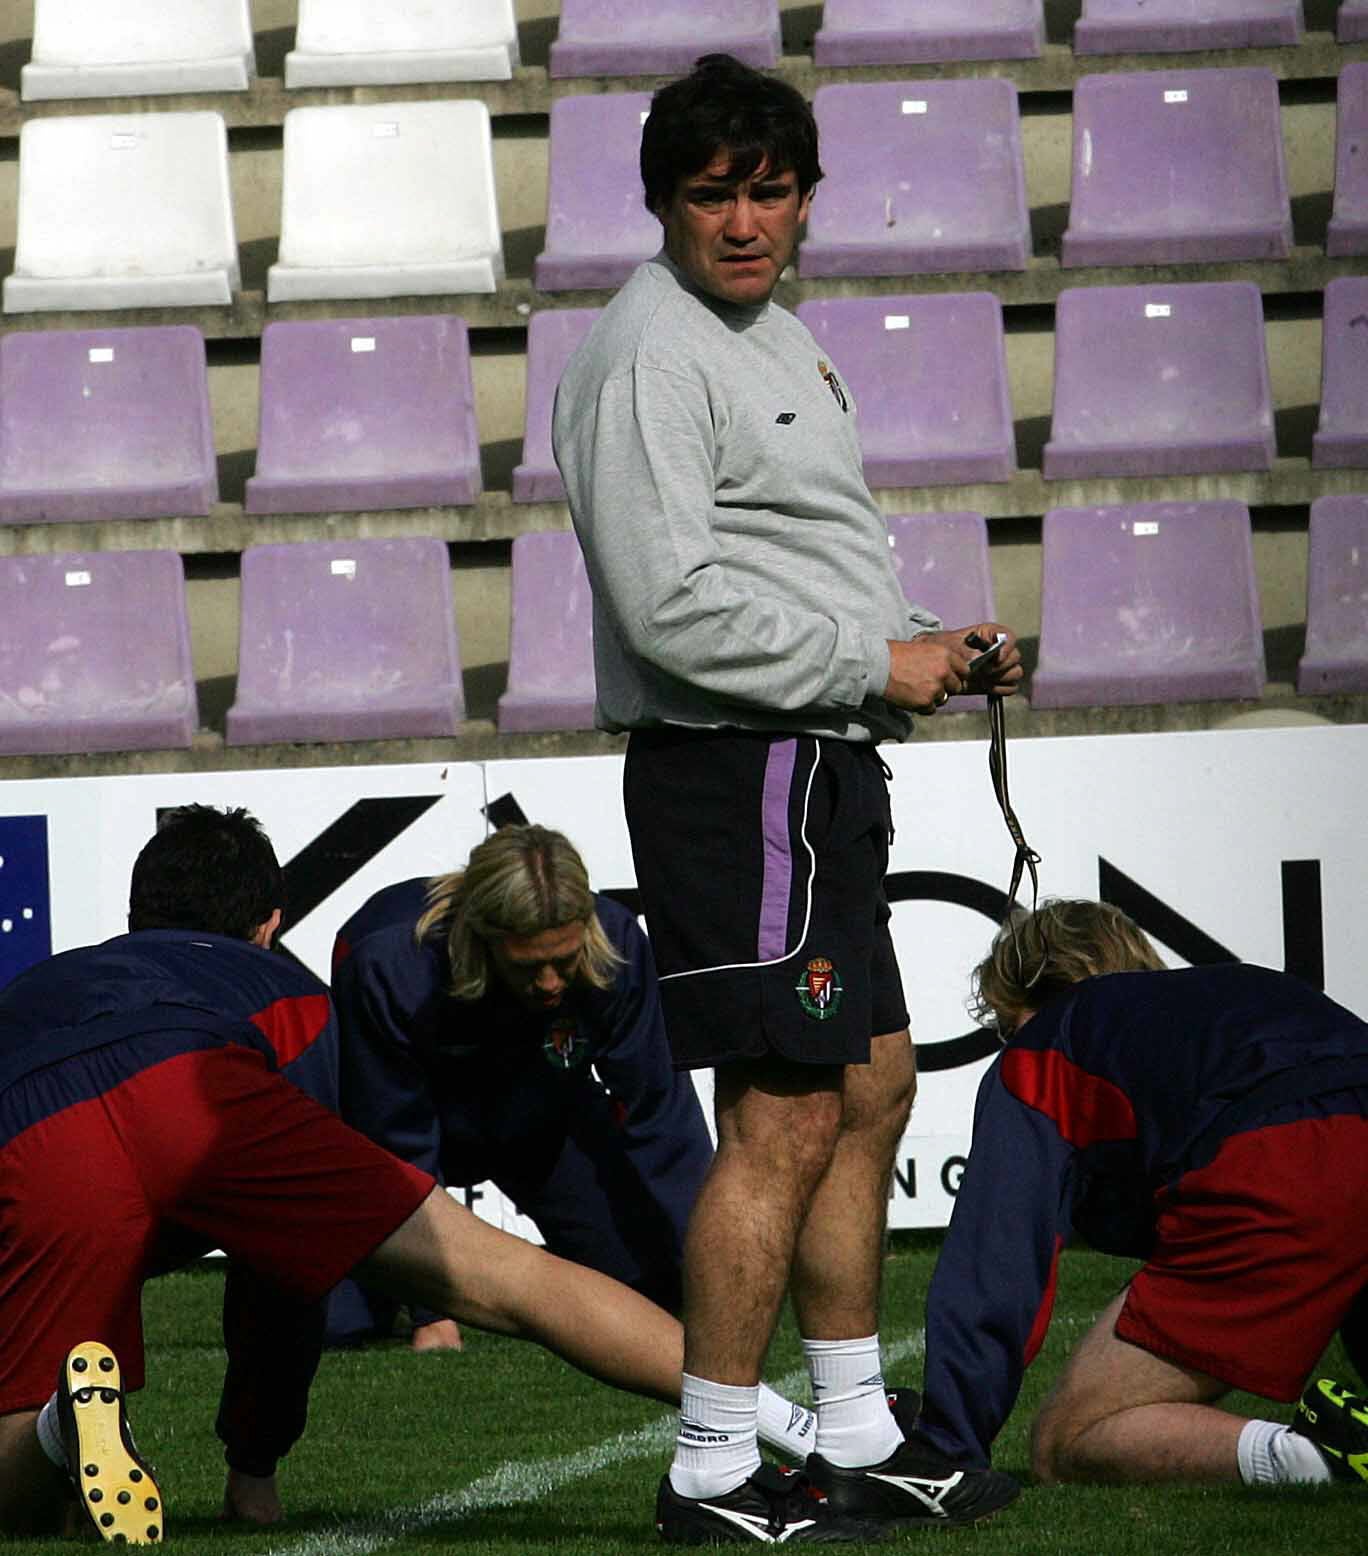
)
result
[(819, 990)]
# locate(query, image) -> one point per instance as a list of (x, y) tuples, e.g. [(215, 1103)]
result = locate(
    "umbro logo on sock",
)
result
[(786, 418)]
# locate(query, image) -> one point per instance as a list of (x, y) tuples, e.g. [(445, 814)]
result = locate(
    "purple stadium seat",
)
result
[(95, 653), (551, 642), (1342, 436), (1352, 23), (346, 640), (552, 336), (892, 32), (920, 176), (661, 37), (1175, 26), (942, 563), (1348, 232), (1152, 602), (920, 423), (105, 424), (597, 229), (1336, 657), (1160, 380), (365, 413), (1177, 167)]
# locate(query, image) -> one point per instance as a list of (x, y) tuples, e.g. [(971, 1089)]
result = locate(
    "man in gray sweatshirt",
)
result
[(751, 633)]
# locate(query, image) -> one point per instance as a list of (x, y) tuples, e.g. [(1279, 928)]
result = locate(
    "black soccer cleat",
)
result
[(770, 1507), (1336, 1421), (114, 1482), (915, 1487), (906, 1407)]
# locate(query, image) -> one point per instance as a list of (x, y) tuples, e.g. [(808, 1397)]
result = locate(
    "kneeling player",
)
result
[(1209, 1120), (169, 1092)]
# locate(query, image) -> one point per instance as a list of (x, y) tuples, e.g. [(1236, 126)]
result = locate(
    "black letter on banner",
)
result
[(340, 850), (504, 812), (965, 892), (907, 1182), (1303, 921), (952, 1171), (1303, 935), (1156, 918)]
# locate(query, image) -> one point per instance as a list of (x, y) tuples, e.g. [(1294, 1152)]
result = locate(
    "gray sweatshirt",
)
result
[(740, 569)]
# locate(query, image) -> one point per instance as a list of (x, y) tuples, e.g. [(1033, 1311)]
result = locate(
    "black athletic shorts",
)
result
[(760, 860)]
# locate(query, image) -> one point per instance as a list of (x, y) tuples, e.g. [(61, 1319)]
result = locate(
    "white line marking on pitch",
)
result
[(524, 1481)]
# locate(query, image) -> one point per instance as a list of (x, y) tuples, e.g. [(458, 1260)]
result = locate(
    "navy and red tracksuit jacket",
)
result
[(1108, 1095), (486, 1089), (163, 992)]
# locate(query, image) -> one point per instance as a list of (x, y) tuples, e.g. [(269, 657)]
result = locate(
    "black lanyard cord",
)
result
[(1026, 858)]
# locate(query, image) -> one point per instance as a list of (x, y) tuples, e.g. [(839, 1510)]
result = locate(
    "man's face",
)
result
[(733, 237), (538, 969)]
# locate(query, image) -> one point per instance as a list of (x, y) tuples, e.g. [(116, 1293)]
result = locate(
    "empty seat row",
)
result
[(399, 198), (357, 640), (363, 414), (355, 414), (89, 48)]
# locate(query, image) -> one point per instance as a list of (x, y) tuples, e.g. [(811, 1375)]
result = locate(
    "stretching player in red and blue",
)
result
[(172, 1091), (1210, 1121), (503, 1022)]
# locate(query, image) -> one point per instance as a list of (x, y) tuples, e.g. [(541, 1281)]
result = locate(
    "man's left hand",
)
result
[(999, 676)]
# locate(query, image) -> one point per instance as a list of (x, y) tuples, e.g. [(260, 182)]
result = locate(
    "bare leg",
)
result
[(445, 1258), (839, 1253), (35, 1496), (1119, 1413), (777, 1126)]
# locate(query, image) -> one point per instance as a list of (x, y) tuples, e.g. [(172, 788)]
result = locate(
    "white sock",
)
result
[(854, 1424), (716, 1448), (50, 1435), (1273, 1455), (788, 1427)]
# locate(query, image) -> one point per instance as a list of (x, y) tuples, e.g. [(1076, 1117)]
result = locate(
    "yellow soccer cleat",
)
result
[(114, 1482)]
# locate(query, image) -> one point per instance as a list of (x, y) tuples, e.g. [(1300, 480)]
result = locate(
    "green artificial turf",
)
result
[(502, 1449)]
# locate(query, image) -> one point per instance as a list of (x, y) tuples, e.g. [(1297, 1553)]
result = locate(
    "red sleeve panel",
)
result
[(1084, 1108), (292, 1025)]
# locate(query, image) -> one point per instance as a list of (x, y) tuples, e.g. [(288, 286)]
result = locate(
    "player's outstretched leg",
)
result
[(1336, 1421), (114, 1482)]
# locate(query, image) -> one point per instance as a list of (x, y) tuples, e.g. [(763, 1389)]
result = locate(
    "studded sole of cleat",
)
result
[(117, 1489)]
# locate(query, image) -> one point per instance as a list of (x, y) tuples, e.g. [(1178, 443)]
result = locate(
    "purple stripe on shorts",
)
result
[(774, 896)]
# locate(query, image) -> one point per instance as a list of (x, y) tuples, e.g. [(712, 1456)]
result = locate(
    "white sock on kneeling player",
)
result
[(50, 1434), (1273, 1455), (716, 1448), (855, 1427), (786, 1427)]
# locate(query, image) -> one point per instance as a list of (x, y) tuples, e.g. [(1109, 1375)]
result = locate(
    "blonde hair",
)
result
[(520, 881), (1036, 955)]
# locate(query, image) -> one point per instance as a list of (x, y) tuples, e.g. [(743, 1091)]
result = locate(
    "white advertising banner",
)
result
[(1222, 844)]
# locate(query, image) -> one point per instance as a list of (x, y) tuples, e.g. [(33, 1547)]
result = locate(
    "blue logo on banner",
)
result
[(25, 898)]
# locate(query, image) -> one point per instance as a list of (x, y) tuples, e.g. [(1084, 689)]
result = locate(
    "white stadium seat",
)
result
[(92, 48), (382, 42), (123, 211), (388, 200)]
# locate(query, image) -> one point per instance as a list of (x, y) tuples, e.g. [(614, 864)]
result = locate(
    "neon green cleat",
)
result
[(1336, 1421)]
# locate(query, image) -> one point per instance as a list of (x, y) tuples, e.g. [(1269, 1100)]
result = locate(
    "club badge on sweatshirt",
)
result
[(565, 1046), (833, 383)]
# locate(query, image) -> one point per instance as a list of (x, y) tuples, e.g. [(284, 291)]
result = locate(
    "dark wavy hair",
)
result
[(208, 870), (725, 105)]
